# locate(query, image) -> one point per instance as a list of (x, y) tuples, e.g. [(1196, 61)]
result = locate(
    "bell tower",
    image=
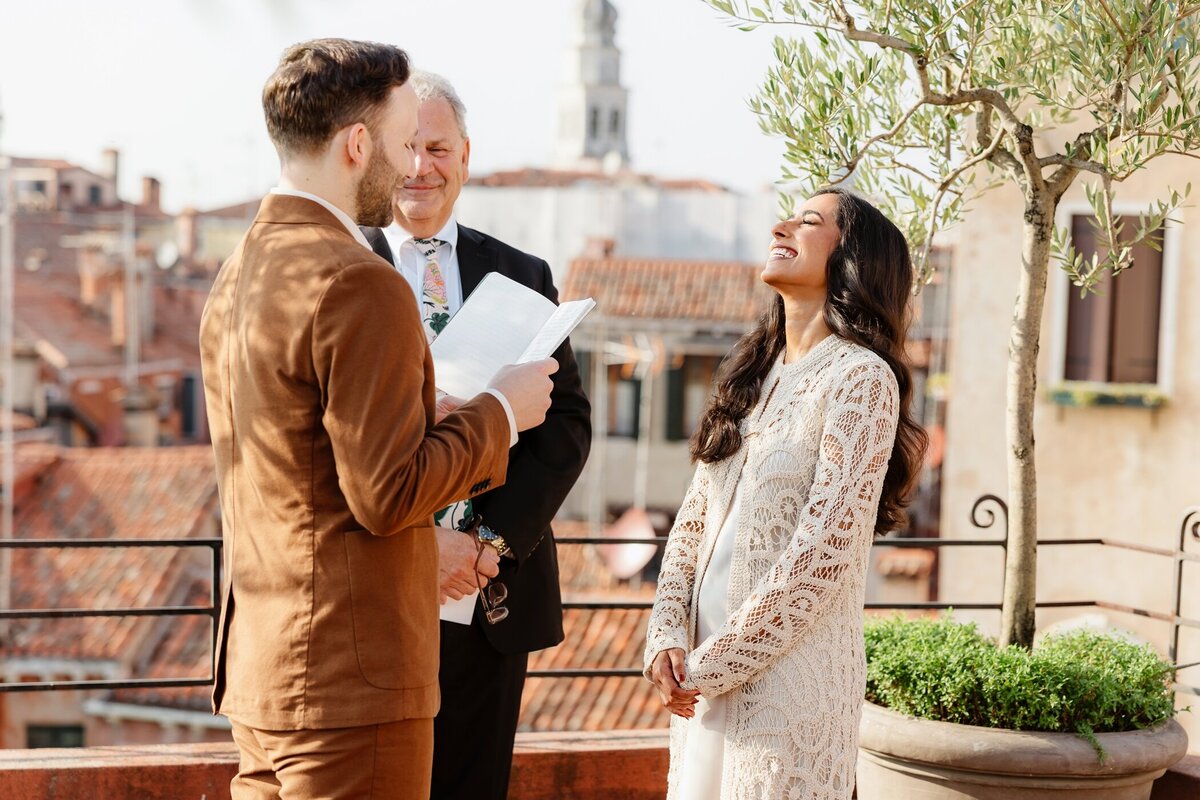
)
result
[(592, 103)]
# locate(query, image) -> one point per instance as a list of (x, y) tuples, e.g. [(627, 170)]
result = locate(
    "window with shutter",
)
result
[(1113, 334), (624, 402), (688, 388)]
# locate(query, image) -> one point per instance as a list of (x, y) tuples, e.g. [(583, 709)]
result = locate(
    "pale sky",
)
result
[(175, 84)]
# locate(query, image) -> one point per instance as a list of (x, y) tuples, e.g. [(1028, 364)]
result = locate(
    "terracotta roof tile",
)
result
[(49, 163), (108, 493), (594, 639), (50, 311), (533, 177), (712, 291), (185, 651)]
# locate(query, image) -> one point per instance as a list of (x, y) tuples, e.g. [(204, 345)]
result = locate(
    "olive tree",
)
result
[(926, 104)]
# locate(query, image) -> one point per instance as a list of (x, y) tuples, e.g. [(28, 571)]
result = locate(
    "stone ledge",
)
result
[(631, 765), (582, 766)]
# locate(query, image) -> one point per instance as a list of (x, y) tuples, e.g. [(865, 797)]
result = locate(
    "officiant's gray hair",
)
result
[(431, 86)]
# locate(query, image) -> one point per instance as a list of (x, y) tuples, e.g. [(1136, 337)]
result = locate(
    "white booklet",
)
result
[(461, 610), (502, 322)]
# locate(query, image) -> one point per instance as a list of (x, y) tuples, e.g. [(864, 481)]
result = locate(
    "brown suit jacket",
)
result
[(320, 398)]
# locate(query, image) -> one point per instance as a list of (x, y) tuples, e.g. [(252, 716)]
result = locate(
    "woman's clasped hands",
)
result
[(668, 675)]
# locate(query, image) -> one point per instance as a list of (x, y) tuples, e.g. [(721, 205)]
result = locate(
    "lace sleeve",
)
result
[(856, 444), (673, 598)]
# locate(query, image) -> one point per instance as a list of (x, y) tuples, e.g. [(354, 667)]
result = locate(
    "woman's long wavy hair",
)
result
[(869, 280)]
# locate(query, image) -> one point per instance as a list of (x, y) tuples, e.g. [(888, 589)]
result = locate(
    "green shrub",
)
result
[(1080, 682)]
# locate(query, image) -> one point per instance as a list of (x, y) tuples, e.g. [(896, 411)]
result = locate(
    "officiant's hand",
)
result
[(456, 564), (445, 404), (527, 389), (667, 672)]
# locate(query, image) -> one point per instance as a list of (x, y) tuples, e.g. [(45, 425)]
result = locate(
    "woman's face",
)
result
[(801, 246)]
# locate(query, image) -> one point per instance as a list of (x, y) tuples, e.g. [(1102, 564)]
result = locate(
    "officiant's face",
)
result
[(424, 202)]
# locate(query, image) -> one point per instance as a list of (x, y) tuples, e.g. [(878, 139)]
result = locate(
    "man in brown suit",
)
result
[(330, 455)]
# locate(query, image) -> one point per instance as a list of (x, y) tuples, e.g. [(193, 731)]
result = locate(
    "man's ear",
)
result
[(466, 160), (358, 144)]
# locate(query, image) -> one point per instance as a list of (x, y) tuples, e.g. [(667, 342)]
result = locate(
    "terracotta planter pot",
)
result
[(901, 758)]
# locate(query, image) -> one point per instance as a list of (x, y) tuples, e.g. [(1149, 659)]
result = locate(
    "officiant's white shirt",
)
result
[(411, 262)]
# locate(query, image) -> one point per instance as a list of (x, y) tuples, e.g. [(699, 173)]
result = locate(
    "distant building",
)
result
[(592, 193), (57, 202), (680, 318), (593, 105), (106, 312), (559, 214)]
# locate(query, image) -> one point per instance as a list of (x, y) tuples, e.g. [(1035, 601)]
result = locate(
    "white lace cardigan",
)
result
[(815, 451)]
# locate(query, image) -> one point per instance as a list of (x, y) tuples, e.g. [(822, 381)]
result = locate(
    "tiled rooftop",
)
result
[(184, 652), (533, 177), (595, 639), (50, 311), (714, 291), (98, 494)]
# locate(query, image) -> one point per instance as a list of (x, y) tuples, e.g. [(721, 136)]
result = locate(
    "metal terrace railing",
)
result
[(212, 611), (982, 516)]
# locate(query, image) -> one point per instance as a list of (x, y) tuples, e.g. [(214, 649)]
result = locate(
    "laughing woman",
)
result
[(806, 451)]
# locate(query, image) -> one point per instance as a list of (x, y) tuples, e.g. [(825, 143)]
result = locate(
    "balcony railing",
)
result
[(983, 516), (213, 610)]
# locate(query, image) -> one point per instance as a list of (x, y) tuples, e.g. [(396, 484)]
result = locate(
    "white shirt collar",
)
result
[(342, 216), (448, 233)]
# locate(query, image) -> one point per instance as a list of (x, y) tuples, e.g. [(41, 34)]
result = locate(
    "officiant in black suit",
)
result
[(483, 664)]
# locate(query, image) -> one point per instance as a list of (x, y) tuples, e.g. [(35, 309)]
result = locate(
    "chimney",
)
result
[(25, 376), (110, 164), (116, 312), (187, 236), (151, 192), (598, 247), (140, 408), (94, 268)]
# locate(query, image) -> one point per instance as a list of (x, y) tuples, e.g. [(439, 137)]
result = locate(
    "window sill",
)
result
[(1081, 394)]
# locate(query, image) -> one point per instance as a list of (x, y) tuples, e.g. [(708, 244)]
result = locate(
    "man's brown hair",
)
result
[(323, 85)]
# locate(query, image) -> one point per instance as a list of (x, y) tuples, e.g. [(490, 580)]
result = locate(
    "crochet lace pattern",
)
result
[(790, 657)]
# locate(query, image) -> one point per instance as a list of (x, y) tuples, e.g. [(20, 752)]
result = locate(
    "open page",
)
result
[(557, 329), (502, 322), (493, 328)]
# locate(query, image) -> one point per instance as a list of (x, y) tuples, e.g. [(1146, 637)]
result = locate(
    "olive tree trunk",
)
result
[(1020, 568)]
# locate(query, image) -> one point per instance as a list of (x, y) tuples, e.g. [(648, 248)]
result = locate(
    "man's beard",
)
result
[(373, 199)]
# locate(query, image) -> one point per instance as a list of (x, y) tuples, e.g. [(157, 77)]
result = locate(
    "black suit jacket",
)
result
[(542, 466)]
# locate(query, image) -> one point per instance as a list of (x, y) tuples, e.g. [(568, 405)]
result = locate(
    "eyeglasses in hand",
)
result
[(495, 593)]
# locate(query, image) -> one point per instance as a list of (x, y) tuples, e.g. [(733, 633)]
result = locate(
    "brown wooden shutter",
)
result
[(1088, 318), (1112, 335), (1137, 305)]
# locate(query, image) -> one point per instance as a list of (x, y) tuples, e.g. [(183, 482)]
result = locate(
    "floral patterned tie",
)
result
[(435, 304), (435, 313)]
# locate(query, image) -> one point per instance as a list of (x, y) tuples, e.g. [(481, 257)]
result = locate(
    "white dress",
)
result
[(704, 757), (787, 661)]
